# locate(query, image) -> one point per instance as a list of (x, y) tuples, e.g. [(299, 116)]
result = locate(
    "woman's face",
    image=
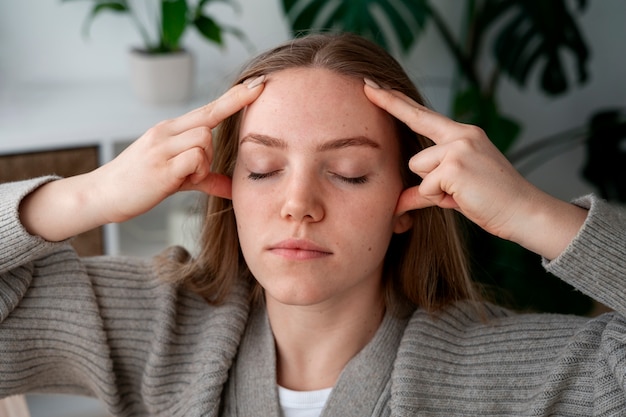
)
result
[(315, 188)]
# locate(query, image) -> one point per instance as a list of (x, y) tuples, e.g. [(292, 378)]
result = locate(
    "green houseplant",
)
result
[(161, 68), (523, 38)]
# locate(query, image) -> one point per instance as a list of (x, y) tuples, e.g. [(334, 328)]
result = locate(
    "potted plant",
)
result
[(162, 70)]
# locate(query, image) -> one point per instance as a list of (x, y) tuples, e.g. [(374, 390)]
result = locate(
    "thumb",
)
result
[(411, 199), (218, 185)]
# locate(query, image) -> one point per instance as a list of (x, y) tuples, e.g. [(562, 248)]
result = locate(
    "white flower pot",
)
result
[(161, 79)]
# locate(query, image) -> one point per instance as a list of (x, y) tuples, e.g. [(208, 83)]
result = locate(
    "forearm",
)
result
[(549, 225), (61, 209)]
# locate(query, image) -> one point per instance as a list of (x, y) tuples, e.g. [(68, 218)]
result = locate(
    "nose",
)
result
[(302, 199)]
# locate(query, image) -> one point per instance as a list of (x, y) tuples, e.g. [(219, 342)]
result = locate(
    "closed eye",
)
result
[(352, 180), (261, 175), (255, 176)]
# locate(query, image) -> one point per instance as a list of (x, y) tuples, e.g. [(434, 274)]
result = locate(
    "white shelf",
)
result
[(60, 115)]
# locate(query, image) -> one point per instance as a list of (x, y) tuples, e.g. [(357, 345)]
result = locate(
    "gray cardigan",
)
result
[(107, 327)]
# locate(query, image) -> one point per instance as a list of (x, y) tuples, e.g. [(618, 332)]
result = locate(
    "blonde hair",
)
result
[(425, 266)]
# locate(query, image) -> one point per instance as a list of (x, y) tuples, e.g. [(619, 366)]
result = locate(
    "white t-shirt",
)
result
[(302, 403)]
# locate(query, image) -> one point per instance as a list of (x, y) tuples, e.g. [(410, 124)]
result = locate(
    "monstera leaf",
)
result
[(470, 106), (537, 34), (388, 23), (530, 34)]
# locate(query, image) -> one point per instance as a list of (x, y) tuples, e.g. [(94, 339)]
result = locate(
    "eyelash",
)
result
[(353, 180), (255, 176)]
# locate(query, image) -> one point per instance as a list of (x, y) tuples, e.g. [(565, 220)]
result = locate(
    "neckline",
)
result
[(303, 399), (363, 387)]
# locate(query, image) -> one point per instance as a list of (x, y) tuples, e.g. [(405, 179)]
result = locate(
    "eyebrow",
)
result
[(341, 143)]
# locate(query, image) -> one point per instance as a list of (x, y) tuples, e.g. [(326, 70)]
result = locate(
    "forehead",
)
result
[(314, 103)]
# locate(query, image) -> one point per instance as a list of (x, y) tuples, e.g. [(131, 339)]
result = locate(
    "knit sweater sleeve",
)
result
[(107, 327), (595, 261), (491, 361)]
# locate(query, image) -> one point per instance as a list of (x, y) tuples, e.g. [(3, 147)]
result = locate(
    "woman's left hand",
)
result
[(466, 172)]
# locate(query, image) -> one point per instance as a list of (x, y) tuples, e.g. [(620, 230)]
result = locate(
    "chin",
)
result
[(296, 296)]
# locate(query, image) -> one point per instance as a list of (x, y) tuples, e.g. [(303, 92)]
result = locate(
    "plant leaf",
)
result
[(419, 11), (398, 21), (239, 34), (209, 28), (405, 19), (304, 21), (470, 106), (173, 23), (120, 6), (535, 35), (288, 5)]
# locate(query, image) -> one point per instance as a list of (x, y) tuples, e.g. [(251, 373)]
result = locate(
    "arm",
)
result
[(465, 171), (87, 325), (174, 155), (106, 327)]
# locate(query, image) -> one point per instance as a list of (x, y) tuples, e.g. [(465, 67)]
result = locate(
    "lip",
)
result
[(299, 249)]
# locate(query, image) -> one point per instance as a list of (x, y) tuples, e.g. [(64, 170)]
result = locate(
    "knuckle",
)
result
[(159, 130), (197, 156), (474, 131), (152, 136), (208, 108), (207, 111), (464, 145), (455, 168), (204, 132), (163, 125)]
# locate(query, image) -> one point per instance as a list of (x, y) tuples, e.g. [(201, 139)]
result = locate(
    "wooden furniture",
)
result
[(63, 162)]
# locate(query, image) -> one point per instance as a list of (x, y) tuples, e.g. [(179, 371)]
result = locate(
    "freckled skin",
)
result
[(305, 198)]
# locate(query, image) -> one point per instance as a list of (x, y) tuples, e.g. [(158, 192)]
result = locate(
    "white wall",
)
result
[(40, 41)]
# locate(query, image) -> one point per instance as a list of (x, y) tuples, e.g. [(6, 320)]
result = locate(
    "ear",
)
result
[(403, 222)]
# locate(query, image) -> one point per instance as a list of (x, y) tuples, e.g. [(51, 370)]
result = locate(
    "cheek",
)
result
[(242, 194), (373, 219), (241, 204), (252, 207)]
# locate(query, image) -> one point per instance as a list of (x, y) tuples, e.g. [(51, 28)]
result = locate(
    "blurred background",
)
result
[(544, 79)]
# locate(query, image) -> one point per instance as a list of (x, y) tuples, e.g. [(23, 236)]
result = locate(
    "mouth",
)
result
[(299, 249)]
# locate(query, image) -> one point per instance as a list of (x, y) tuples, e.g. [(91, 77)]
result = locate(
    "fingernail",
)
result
[(254, 82), (371, 83)]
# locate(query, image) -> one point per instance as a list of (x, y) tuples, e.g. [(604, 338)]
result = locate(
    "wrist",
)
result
[(550, 226), (61, 209)]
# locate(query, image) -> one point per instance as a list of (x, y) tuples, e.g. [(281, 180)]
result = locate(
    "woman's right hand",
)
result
[(174, 155)]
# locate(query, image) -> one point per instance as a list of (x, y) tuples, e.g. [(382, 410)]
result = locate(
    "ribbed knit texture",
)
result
[(107, 327)]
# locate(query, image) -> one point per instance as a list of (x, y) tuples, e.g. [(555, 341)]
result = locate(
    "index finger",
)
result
[(418, 118), (212, 114)]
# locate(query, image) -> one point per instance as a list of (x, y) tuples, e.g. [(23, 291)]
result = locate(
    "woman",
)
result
[(331, 280)]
